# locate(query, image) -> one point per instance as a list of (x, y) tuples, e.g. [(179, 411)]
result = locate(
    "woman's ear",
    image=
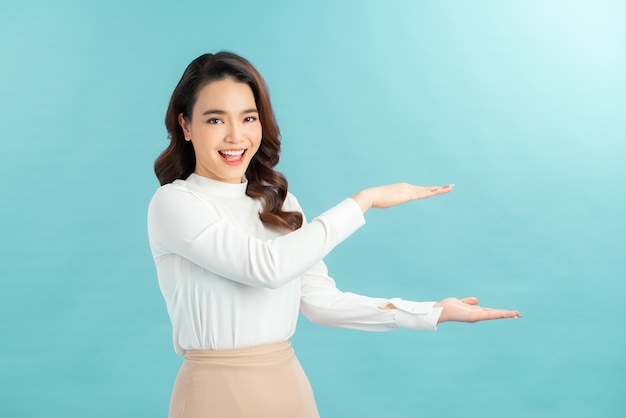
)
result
[(185, 125)]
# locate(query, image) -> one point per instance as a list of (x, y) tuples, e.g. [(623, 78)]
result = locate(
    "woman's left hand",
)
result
[(467, 310), (383, 197)]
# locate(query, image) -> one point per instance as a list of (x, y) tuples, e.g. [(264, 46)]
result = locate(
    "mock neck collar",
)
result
[(218, 187)]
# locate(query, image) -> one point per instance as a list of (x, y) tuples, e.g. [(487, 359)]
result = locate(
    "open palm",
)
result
[(467, 310)]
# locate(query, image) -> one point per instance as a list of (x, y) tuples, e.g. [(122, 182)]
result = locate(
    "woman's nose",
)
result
[(234, 133)]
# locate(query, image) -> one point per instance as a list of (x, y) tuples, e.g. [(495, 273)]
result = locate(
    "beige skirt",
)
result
[(265, 381)]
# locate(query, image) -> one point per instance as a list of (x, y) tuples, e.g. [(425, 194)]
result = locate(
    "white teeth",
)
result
[(233, 153)]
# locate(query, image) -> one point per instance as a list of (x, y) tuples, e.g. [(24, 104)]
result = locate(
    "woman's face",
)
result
[(224, 129)]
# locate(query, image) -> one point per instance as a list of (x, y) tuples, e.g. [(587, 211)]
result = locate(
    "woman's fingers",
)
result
[(442, 189), (424, 192), (487, 314)]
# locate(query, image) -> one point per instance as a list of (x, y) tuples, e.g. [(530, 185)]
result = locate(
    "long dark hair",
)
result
[(178, 160)]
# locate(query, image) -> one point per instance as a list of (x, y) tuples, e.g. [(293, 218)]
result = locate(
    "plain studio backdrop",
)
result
[(521, 104)]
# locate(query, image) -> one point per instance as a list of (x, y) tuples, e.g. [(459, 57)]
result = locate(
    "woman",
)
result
[(236, 259)]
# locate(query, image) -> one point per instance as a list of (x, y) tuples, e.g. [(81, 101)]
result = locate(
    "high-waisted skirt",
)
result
[(260, 382)]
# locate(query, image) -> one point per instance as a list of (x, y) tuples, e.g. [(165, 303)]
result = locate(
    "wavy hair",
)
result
[(178, 160)]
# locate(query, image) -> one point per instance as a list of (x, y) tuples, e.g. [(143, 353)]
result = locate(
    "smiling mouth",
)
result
[(232, 156)]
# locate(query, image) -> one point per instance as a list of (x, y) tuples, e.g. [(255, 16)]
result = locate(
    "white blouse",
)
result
[(229, 281)]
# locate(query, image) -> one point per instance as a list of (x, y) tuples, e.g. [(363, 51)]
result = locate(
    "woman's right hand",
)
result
[(396, 194), (467, 310)]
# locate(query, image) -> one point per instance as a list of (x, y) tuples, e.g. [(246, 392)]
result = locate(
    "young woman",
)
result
[(236, 260)]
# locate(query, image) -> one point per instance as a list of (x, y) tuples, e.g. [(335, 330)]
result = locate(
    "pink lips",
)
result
[(232, 156)]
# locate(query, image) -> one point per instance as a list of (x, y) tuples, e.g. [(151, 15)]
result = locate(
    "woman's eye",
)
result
[(249, 119), (214, 121)]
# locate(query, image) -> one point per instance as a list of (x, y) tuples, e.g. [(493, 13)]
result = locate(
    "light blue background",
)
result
[(521, 104)]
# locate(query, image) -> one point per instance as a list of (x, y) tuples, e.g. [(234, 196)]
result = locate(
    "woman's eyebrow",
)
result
[(222, 112), (213, 111)]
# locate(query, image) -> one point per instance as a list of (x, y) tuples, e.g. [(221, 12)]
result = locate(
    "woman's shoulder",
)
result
[(174, 188), (177, 193), (179, 184)]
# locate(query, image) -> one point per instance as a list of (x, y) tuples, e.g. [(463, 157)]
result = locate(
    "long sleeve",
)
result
[(230, 281), (186, 223), (322, 303)]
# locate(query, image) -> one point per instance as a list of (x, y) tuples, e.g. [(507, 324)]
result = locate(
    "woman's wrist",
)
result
[(363, 200)]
